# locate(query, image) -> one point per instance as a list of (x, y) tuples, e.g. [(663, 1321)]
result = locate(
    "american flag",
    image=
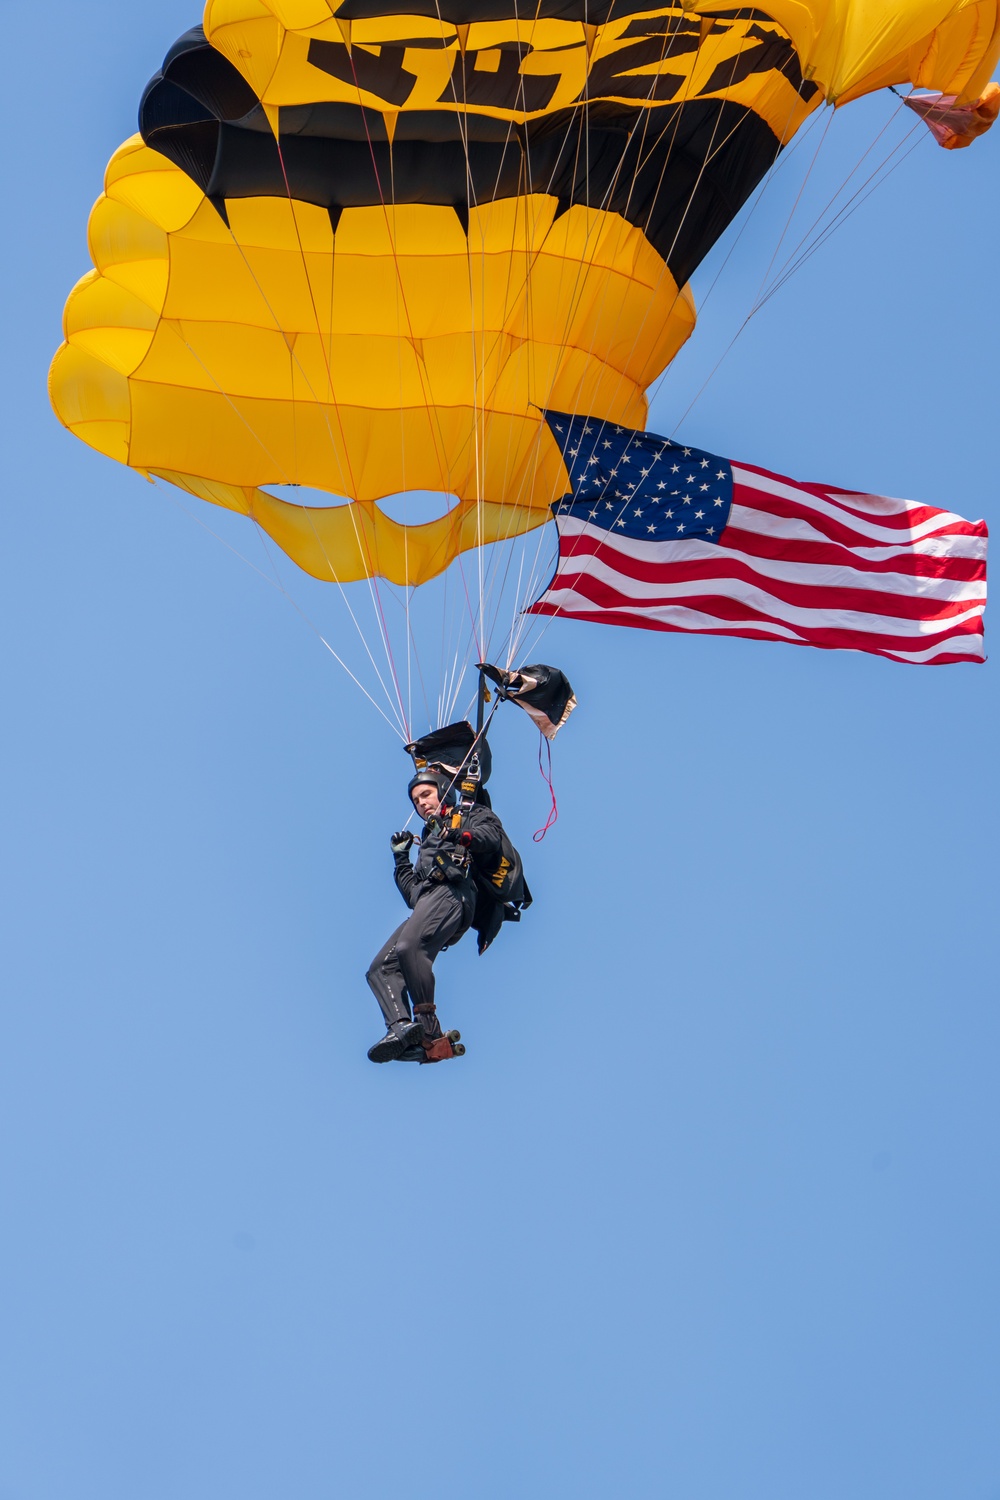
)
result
[(667, 537)]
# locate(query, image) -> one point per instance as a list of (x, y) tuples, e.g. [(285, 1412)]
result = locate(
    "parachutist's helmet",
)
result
[(429, 777)]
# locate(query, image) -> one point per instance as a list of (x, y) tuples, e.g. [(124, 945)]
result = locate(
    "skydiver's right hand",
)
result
[(400, 843)]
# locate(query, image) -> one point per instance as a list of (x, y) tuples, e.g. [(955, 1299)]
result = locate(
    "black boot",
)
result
[(400, 1037)]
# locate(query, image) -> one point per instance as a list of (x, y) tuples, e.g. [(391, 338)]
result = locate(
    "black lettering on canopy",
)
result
[(773, 53), (613, 75), (677, 172), (383, 75), (506, 87)]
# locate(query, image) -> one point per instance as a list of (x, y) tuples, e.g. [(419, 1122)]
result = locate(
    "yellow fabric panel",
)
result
[(269, 288), (121, 348), (850, 47), (87, 280), (297, 14), (142, 179), (238, 12), (227, 357), (109, 438), (277, 224), (91, 398), (368, 365), (352, 541), (774, 99), (342, 449), (229, 496), (410, 229), (117, 234), (86, 389), (273, 366), (131, 160), (210, 433), (597, 240), (252, 44), (416, 296), (129, 250), (97, 303), (146, 279), (370, 542), (965, 53), (208, 227)]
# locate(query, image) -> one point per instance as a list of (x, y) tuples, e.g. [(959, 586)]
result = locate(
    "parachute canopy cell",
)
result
[(359, 251)]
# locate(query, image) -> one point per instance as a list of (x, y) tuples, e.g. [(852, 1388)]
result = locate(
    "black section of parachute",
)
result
[(451, 748), (677, 172), (545, 693)]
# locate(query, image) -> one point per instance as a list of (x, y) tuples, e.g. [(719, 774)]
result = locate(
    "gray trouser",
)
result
[(403, 970)]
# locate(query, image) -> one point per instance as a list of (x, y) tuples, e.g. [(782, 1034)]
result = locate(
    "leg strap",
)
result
[(426, 1014)]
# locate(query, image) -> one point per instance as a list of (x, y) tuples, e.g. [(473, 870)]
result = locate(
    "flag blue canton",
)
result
[(638, 485)]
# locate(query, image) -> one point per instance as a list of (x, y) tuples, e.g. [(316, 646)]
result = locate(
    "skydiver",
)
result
[(441, 892)]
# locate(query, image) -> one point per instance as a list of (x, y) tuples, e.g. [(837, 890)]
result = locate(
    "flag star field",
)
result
[(641, 485)]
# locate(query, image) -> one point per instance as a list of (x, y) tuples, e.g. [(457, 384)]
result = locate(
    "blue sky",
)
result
[(709, 1209)]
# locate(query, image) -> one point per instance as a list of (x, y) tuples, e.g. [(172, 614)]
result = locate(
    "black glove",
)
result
[(400, 843), (460, 836)]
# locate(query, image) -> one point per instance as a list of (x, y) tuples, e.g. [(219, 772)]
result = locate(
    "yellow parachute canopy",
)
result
[(360, 251)]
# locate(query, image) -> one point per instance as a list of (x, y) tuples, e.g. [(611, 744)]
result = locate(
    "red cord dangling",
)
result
[(540, 833)]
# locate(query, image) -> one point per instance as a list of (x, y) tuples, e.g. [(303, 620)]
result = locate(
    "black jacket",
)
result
[(486, 847)]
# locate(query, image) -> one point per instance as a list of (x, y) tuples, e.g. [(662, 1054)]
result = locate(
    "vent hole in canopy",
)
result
[(301, 494), (417, 507)]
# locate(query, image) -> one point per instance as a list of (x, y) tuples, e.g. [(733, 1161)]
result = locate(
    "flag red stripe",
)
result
[(836, 530), (897, 515), (834, 554), (909, 563), (805, 595), (724, 607), (746, 632)]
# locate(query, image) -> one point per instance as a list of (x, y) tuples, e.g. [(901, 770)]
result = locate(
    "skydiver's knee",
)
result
[(413, 955), (407, 948)]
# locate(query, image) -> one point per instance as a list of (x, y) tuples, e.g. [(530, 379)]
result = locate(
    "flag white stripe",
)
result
[(820, 618), (804, 500), (875, 505), (802, 575), (798, 529), (959, 645), (570, 602)]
